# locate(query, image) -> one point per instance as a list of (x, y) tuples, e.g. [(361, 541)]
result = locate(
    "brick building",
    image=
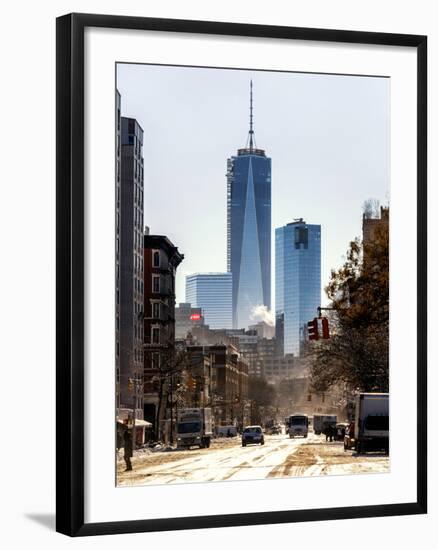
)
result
[(229, 384), (161, 259)]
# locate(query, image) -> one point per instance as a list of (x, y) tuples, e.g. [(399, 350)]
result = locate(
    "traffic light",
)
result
[(309, 397), (312, 329), (325, 328), (191, 383)]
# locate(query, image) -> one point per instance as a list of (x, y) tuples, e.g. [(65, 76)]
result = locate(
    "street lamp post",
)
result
[(171, 410), (137, 384)]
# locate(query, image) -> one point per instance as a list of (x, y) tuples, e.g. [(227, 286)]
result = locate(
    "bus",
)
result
[(298, 424)]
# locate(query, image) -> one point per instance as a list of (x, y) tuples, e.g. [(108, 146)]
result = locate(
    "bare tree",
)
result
[(358, 351), (173, 363)]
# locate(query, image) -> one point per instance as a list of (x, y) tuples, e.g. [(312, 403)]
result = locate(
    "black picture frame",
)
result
[(70, 273)]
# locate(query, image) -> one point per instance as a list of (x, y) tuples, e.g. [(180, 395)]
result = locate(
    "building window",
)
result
[(155, 361), (155, 335), (156, 310), (156, 258), (155, 283), (301, 237)]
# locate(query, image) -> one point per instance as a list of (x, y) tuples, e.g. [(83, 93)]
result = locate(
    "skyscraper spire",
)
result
[(251, 129)]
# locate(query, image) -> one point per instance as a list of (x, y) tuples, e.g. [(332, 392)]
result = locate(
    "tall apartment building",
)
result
[(129, 262), (212, 292), (297, 282), (161, 259), (249, 228)]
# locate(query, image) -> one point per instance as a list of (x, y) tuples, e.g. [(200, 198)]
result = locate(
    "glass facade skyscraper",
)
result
[(297, 282), (249, 229), (213, 293)]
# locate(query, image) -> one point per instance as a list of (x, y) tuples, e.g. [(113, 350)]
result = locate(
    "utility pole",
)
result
[(171, 409), (134, 438)]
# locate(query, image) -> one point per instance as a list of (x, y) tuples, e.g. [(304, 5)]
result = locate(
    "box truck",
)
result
[(194, 428), (371, 425)]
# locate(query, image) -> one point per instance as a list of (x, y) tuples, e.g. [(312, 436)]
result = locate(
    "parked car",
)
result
[(252, 434)]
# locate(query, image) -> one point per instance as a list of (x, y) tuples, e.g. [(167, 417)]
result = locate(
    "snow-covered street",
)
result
[(226, 459)]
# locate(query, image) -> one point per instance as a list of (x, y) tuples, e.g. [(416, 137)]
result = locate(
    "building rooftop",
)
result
[(209, 273), (163, 242), (251, 151), (297, 221)]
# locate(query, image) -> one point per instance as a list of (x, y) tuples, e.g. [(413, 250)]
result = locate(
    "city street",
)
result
[(228, 460)]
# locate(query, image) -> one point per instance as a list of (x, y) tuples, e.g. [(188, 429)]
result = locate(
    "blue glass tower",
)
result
[(212, 293), (249, 228), (297, 282)]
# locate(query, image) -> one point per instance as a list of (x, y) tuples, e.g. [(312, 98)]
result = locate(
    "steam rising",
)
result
[(262, 313)]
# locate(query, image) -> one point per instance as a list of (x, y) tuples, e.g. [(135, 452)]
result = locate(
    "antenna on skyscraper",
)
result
[(251, 138)]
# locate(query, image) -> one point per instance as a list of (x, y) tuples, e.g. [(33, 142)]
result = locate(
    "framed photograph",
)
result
[(241, 274)]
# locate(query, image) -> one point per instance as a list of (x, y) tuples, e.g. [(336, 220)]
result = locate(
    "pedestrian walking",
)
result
[(331, 432), (127, 439)]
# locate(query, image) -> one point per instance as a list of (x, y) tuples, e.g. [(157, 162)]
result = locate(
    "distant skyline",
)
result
[(327, 135)]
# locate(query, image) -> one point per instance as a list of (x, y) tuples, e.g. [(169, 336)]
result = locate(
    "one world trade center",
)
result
[(249, 228)]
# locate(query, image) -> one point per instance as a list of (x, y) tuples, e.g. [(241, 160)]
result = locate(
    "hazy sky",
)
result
[(327, 135)]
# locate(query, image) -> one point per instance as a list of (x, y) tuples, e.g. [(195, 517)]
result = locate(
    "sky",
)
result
[(327, 136)]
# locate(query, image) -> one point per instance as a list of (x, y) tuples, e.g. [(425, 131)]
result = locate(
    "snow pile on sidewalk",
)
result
[(157, 448), (160, 447)]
